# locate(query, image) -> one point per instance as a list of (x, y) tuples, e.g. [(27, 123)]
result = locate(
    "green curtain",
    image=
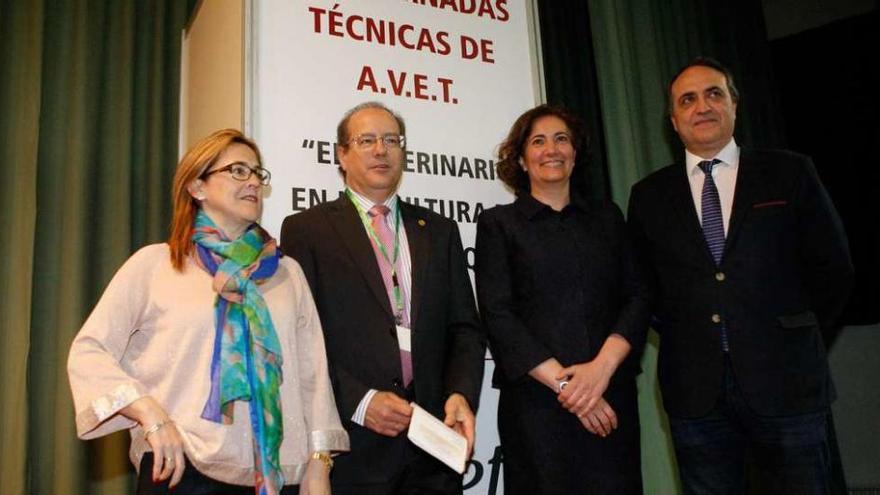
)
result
[(570, 77), (90, 98), (19, 109), (639, 44), (636, 46)]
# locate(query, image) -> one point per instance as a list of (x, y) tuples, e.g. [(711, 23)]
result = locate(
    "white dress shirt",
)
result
[(723, 173)]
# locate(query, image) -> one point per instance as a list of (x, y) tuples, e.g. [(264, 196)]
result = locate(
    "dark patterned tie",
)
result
[(713, 223), (713, 226)]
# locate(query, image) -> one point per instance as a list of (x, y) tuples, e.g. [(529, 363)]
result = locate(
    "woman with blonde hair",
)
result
[(208, 348)]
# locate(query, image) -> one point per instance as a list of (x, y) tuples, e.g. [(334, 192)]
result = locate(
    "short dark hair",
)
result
[(342, 136), (711, 63), (510, 151)]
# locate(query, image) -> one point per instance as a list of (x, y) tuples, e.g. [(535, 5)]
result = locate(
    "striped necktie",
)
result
[(378, 214), (713, 226), (713, 223)]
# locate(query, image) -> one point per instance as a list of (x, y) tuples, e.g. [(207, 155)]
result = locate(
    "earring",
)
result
[(200, 198)]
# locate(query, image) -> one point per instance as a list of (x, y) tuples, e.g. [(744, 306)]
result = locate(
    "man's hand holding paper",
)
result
[(436, 438)]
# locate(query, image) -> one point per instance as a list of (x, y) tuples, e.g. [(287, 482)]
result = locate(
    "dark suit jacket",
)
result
[(556, 285), (448, 344), (784, 277)]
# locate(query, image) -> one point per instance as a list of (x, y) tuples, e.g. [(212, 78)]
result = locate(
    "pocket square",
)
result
[(765, 204)]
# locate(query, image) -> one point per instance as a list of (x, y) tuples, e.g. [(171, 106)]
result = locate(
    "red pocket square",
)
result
[(778, 202)]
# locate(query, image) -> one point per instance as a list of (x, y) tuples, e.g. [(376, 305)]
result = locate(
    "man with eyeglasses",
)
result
[(392, 289)]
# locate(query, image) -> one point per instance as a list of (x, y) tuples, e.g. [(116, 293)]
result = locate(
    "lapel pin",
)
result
[(421, 222)]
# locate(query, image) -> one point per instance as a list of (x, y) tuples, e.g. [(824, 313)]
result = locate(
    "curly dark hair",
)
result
[(510, 151)]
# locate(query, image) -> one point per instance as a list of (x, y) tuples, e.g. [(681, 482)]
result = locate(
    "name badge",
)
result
[(403, 338)]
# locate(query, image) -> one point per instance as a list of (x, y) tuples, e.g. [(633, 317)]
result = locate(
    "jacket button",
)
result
[(720, 276), (716, 318)]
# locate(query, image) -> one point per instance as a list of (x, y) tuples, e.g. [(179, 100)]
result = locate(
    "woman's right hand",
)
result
[(601, 420), (165, 441)]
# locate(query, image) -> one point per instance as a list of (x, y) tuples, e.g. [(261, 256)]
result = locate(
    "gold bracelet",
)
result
[(325, 458), (153, 429)]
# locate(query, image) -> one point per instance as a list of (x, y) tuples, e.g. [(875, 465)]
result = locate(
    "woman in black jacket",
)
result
[(566, 310)]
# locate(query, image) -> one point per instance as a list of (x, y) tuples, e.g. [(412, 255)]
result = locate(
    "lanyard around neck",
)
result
[(392, 261)]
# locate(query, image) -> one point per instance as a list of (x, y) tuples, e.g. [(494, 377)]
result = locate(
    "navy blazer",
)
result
[(785, 275), (448, 343)]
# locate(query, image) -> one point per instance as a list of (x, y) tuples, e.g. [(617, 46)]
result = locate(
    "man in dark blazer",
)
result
[(373, 294), (751, 265)]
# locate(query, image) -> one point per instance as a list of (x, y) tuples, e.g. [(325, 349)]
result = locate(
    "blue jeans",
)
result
[(733, 450)]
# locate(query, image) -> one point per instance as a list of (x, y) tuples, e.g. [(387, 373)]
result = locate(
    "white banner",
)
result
[(458, 71)]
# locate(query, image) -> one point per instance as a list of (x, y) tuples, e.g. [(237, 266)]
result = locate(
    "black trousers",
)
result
[(420, 475), (192, 483)]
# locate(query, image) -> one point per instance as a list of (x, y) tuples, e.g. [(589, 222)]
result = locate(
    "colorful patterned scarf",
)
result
[(246, 364)]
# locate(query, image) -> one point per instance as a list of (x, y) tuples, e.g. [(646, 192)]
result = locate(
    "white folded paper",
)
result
[(434, 437)]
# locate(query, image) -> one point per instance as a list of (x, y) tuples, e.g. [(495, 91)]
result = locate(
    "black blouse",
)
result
[(556, 284)]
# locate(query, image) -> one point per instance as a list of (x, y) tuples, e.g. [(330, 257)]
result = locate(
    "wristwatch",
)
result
[(324, 458)]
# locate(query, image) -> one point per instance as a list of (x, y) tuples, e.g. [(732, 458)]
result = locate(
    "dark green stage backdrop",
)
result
[(89, 97)]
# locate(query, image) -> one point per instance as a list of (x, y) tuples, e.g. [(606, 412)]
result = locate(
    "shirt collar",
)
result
[(729, 156), (366, 203), (530, 207)]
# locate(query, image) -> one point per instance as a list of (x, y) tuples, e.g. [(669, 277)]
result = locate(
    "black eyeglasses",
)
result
[(242, 172)]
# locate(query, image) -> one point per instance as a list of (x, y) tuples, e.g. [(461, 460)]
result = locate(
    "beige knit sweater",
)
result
[(152, 333)]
